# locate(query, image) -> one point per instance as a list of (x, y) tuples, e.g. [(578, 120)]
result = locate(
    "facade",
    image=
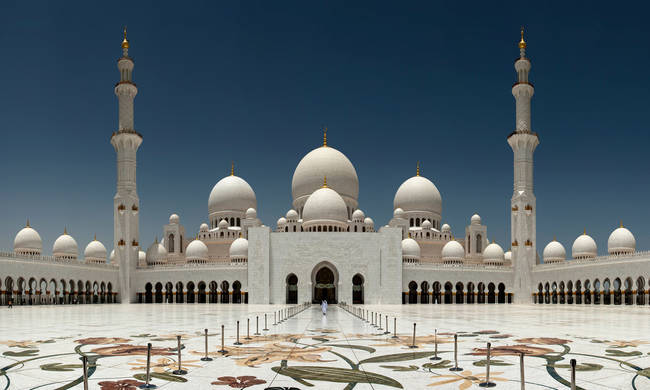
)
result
[(324, 246)]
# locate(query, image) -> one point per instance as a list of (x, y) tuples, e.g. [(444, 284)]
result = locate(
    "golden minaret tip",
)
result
[(125, 42), (522, 43), (621, 223), (65, 230)]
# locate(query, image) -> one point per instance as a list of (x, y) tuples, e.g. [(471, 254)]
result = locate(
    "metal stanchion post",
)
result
[(147, 385), (573, 374), (275, 318), (84, 363), (455, 367), (487, 382), (257, 326), (380, 328), (223, 349), (394, 327), (206, 358), (266, 328), (521, 371), (180, 370), (435, 346), (237, 342), (248, 329), (387, 331), (413, 345)]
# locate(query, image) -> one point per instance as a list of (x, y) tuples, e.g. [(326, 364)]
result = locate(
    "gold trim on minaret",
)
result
[(522, 43), (325, 136), (417, 169), (125, 42)]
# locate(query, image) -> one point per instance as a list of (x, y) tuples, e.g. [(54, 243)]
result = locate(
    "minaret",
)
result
[(523, 142), (126, 204)]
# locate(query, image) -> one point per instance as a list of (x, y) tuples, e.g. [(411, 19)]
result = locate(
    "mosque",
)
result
[(324, 246)]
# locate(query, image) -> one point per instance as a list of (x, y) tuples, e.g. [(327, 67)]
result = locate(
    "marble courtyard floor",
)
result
[(40, 347)]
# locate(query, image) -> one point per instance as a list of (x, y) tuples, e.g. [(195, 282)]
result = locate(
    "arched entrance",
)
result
[(292, 289), (357, 289), (324, 280)]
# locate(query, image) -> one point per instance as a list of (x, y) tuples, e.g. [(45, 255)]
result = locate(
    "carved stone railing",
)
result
[(51, 259), (458, 267), (597, 260)]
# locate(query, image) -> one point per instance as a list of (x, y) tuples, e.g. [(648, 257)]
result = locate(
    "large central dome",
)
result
[(418, 194), (232, 193), (325, 162)]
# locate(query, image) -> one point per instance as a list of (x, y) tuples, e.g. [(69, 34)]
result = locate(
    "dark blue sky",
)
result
[(395, 82)]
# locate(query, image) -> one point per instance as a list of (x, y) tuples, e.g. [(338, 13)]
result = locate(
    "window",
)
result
[(479, 244), (170, 244), (469, 243), (417, 222), (238, 222), (411, 222)]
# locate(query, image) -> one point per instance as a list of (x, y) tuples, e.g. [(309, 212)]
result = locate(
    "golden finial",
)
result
[(417, 169), (324, 181), (95, 238), (409, 234), (232, 168), (621, 223), (239, 234), (554, 238), (325, 136), (65, 230), (584, 232), (27, 223), (155, 240), (125, 42), (522, 43)]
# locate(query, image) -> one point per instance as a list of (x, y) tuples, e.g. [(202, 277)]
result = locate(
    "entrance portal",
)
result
[(324, 286)]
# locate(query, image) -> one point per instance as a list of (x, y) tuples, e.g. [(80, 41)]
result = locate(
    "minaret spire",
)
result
[(522, 44), (324, 136), (417, 169), (232, 168)]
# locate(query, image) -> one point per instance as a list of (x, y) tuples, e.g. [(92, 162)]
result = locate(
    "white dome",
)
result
[(156, 252), (621, 241), (584, 247), (174, 219), (476, 219), (239, 248), (507, 256), (65, 246), (453, 251), (223, 224), (95, 250), (142, 256), (292, 215), (325, 204), (446, 228), (111, 258), (493, 253), (281, 221), (418, 194), (426, 224), (28, 241), (554, 252), (410, 248), (204, 227), (369, 221), (358, 215), (398, 213), (196, 250), (325, 162), (251, 213), (232, 193)]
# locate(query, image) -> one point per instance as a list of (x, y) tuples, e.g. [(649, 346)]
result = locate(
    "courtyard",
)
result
[(41, 346)]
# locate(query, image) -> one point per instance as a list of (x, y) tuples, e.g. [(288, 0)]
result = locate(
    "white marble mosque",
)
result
[(324, 246)]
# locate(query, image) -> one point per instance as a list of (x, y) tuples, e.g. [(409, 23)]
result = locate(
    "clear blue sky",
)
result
[(395, 82)]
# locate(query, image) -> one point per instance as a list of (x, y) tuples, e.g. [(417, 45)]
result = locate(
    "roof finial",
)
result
[(417, 169), (27, 223), (232, 168), (95, 238), (125, 42), (155, 240), (324, 181), (584, 232), (554, 238), (522, 43), (65, 230), (621, 223), (325, 136)]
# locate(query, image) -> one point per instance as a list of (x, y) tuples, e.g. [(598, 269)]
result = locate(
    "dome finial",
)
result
[(417, 169), (65, 230), (155, 240), (95, 237), (584, 232), (125, 42), (232, 168), (554, 238), (621, 223), (325, 136), (27, 223), (522, 43), (324, 182)]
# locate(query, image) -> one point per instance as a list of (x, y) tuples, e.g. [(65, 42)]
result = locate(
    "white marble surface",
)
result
[(621, 333)]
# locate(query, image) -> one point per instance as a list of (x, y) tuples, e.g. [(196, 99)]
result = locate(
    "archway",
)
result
[(159, 294), (587, 292), (597, 292), (628, 291), (459, 293), (148, 298), (179, 292), (424, 295), (324, 280), (292, 289), (640, 293), (202, 292), (436, 292), (481, 292), (562, 295), (9, 288), (491, 295), (448, 293), (502, 293), (607, 292), (413, 292), (554, 293), (569, 292), (214, 295), (470, 292), (540, 294), (225, 292), (236, 292), (357, 289), (190, 292), (169, 296), (578, 292)]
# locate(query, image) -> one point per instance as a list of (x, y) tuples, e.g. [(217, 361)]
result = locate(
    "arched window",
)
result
[(417, 221), (170, 244), (363, 229), (469, 243), (294, 228), (319, 228), (479, 244), (238, 222), (286, 229), (411, 221), (355, 228)]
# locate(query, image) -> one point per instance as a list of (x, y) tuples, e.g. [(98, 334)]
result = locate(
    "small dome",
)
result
[(476, 219), (453, 252), (493, 253), (174, 219), (369, 221), (418, 194), (584, 247), (142, 256), (410, 248), (156, 253), (426, 224), (554, 252), (111, 258), (95, 250), (621, 241), (28, 241), (196, 250), (204, 227), (232, 193), (251, 213), (358, 215), (65, 246), (292, 215), (223, 224), (398, 213), (446, 228), (507, 256), (281, 221), (325, 204), (239, 248)]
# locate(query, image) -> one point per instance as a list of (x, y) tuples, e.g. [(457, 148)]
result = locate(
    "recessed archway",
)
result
[(324, 279)]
